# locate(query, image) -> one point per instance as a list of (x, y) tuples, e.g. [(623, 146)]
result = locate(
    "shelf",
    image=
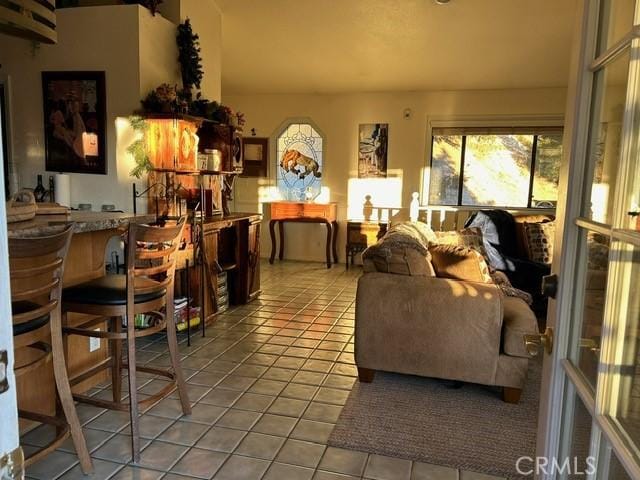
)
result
[(228, 266)]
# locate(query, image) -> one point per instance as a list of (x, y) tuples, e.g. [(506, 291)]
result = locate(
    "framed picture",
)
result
[(373, 141), (256, 156), (74, 122)]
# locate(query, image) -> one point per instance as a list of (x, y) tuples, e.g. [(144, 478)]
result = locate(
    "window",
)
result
[(514, 167), (299, 157)]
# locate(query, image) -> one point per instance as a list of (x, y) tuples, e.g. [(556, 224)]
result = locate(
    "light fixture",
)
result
[(442, 2)]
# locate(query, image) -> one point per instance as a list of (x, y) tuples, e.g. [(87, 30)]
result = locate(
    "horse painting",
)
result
[(295, 162)]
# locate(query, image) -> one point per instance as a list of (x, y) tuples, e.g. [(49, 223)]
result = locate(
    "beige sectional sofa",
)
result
[(442, 328)]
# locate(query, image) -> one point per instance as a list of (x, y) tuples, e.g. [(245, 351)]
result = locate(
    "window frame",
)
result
[(534, 122)]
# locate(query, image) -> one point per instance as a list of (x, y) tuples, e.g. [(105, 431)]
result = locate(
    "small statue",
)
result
[(367, 208)]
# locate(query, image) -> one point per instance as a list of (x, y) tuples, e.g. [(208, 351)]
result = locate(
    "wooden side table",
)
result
[(303, 212), (361, 234)]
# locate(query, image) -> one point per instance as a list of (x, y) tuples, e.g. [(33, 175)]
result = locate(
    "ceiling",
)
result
[(332, 46)]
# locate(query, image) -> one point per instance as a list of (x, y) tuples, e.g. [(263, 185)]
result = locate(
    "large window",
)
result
[(299, 156), (515, 167)]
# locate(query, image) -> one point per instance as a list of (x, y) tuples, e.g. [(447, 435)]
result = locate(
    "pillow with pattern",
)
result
[(467, 237), (539, 238), (459, 263)]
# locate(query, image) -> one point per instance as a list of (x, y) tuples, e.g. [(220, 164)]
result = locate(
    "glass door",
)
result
[(590, 403)]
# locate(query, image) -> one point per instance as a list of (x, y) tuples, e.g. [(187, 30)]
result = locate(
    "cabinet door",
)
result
[(253, 277), (210, 280)]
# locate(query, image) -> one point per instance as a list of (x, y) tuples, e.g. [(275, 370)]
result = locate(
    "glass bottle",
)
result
[(39, 192)]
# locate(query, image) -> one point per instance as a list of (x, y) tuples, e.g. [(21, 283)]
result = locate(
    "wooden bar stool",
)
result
[(146, 288), (36, 268)]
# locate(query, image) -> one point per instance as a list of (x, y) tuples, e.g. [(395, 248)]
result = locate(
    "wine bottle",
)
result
[(39, 192)]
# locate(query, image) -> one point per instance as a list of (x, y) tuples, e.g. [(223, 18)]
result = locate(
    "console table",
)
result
[(304, 212)]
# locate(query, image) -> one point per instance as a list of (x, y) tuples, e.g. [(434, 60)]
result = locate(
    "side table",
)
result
[(361, 234)]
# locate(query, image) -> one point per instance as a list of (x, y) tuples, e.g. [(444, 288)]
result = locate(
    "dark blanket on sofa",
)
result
[(499, 237)]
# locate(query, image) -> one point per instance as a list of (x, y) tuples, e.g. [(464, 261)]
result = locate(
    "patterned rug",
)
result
[(428, 420)]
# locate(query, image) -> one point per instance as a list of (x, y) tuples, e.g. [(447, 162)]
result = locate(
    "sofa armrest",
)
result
[(428, 326)]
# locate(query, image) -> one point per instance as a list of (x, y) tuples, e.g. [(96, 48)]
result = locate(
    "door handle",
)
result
[(534, 342), (591, 344), (550, 285)]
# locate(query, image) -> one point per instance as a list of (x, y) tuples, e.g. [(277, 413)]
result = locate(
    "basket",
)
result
[(21, 207)]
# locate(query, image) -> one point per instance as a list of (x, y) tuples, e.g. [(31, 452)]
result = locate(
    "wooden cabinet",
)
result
[(226, 139), (232, 245), (253, 277)]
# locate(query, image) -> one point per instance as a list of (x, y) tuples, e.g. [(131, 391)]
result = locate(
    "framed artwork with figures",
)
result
[(373, 141), (74, 106)]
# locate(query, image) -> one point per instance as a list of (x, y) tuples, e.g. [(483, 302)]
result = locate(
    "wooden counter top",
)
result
[(83, 222)]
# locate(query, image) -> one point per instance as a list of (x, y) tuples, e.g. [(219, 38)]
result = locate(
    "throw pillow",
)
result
[(467, 237), (459, 263), (539, 237)]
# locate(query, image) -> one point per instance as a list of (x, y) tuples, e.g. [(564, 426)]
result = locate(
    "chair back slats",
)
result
[(19, 318), (28, 272), (32, 293), (147, 272), (141, 290), (154, 260), (151, 234), (39, 246), (152, 254), (36, 264)]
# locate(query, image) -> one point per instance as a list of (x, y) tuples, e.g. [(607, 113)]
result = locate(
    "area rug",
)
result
[(427, 420)]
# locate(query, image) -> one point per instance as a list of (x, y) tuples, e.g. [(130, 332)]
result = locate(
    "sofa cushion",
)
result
[(518, 321), (398, 260), (467, 237), (459, 263), (539, 238), (402, 250)]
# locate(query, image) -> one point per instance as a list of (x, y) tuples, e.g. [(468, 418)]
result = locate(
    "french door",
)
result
[(590, 400)]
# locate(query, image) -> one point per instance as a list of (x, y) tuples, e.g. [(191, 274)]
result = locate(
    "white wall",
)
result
[(137, 52), (338, 116)]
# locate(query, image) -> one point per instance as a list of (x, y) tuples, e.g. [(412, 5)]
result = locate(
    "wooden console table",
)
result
[(303, 212)]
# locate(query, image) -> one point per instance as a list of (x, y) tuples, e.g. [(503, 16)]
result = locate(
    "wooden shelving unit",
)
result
[(219, 243)]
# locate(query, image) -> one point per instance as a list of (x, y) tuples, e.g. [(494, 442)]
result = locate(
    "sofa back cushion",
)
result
[(459, 263), (400, 260), (402, 250)]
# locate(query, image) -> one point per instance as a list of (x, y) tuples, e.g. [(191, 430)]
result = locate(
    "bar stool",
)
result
[(36, 267), (146, 288)]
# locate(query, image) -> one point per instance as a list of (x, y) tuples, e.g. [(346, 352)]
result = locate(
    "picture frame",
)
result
[(74, 107), (373, 147), (255, 153)]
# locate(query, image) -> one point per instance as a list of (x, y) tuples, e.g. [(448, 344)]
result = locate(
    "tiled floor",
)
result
[(267, 385)]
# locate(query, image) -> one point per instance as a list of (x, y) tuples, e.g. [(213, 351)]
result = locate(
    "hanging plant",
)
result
[(189, 58), (138, 149)]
